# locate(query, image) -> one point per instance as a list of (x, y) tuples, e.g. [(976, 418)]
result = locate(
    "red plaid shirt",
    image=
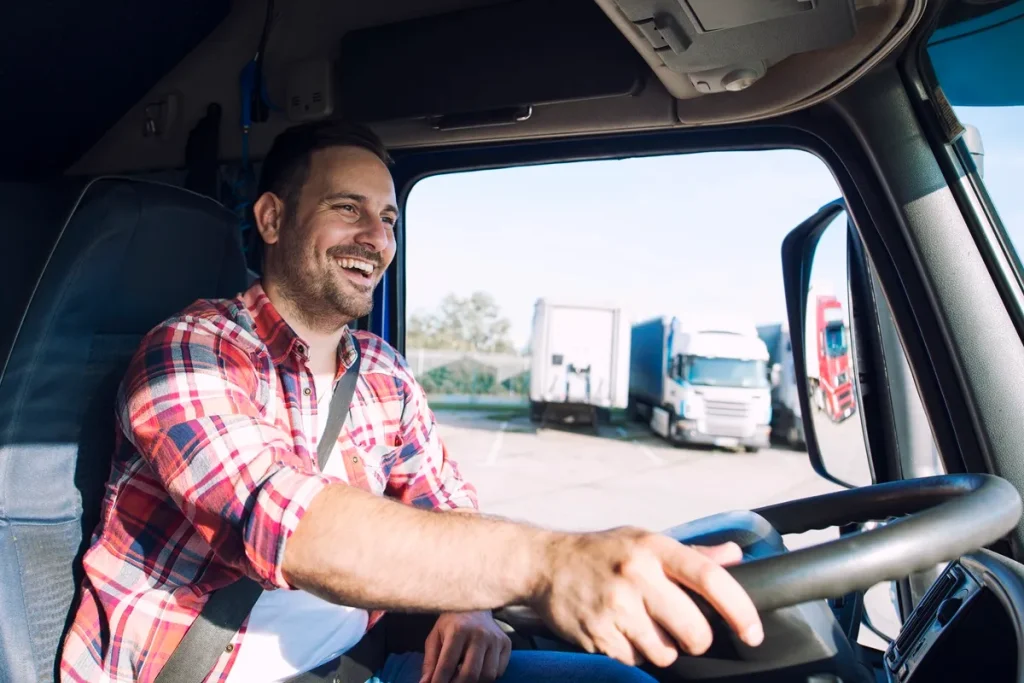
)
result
[(215, 466)]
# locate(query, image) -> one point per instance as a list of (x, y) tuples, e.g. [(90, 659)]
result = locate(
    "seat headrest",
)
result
[(129, 254)]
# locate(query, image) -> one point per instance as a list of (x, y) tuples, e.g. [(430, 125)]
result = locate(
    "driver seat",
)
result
[(123, 255)]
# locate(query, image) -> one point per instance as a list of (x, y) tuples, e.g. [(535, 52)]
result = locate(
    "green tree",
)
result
[(473, 323)]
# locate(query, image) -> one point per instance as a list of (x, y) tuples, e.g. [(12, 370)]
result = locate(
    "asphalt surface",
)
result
[(576, 479)]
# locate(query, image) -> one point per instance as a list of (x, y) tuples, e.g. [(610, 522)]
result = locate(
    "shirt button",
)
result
[(355, 458), (229, 648), (307, 391)]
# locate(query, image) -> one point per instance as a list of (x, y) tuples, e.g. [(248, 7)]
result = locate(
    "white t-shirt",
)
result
[(292, 631)]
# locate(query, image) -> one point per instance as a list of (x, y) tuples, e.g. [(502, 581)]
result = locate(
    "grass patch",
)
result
[(495, 408), (508, 414)]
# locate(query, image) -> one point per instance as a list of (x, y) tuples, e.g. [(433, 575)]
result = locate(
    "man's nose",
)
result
[(374, 233)]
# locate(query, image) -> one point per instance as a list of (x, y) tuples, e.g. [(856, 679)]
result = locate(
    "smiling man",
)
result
[(217, 478)]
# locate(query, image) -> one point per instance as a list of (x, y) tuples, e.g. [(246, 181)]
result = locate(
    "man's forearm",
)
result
[(357, 549)]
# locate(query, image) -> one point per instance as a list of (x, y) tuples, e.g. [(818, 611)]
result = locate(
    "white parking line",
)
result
[(651, 455), (492, 455)]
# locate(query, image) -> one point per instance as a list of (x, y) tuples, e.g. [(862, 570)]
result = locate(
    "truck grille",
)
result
[(729, 428), (726, 409)]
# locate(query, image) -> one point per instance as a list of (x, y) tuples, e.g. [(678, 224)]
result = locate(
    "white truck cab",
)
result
[(702, 383)]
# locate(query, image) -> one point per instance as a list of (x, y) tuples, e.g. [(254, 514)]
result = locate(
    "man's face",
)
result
[(335, 242)]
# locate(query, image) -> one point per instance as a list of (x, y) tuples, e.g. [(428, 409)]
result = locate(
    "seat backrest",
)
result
[(124, 255)]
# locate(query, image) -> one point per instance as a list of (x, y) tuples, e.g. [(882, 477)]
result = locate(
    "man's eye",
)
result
[(390, 220)]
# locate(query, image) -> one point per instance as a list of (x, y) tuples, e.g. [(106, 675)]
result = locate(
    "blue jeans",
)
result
[(527, 666)]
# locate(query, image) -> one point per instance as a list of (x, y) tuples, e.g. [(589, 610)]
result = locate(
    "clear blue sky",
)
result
[(675, 235)]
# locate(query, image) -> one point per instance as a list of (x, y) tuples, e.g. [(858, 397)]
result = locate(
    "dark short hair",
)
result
[(286, 166)]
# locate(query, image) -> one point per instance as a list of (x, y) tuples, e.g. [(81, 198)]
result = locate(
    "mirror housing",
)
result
[(798, 250)]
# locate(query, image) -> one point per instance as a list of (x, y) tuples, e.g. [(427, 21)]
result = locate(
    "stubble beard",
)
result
[(313, 288)]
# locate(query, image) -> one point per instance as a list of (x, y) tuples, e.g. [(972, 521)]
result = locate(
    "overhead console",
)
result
[(728, 45), (486, 65)]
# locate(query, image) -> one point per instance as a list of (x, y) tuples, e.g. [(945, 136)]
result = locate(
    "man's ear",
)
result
[(268, 212)]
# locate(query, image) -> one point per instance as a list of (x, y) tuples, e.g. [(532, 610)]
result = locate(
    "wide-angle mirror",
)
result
[(830, 361)]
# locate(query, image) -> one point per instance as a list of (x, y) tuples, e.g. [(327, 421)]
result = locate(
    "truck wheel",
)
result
[(793, 438), (536, 412)]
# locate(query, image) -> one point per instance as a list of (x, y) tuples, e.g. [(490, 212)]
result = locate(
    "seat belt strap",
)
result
[(227, 608)]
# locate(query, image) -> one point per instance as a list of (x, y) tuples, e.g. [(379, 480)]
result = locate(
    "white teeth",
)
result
[(358, 265)]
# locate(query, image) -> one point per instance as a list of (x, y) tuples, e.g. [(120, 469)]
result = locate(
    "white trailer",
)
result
[(579, 365)]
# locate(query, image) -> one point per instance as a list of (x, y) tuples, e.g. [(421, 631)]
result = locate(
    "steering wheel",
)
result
[(941, 519)]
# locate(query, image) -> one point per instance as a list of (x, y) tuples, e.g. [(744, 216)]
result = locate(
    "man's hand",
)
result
[(465, 647), (618, 592)]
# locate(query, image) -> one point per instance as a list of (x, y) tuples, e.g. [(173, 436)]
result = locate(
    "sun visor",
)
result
[(726, 45), (484, 60)]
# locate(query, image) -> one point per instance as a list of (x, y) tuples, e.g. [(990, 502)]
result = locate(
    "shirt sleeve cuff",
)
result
[(463, 500), (280, 504)]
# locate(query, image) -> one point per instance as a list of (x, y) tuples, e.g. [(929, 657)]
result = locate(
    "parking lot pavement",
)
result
[(574, 479)]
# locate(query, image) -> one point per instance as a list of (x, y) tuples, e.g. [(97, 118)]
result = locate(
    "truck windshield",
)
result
[(835, 340), (726, 372)]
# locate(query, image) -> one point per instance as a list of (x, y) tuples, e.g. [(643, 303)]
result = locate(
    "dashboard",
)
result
[(967, 627)]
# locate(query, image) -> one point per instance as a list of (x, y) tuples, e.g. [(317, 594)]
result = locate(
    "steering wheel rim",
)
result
[(941, 519)]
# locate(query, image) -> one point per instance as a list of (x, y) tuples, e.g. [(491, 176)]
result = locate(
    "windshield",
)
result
[(726, 372), (835, 340)]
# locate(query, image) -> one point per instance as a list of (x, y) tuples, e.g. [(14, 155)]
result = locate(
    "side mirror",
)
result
[(776, 375), (972, 138), (815, 266)]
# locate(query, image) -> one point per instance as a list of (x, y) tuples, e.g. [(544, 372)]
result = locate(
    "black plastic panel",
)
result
[(514, 54), (70, 70), (696, 35)]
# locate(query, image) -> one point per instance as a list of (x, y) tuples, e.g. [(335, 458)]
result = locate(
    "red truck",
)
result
[(829, 371)]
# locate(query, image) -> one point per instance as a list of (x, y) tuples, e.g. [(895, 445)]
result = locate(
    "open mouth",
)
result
[(357, 270)]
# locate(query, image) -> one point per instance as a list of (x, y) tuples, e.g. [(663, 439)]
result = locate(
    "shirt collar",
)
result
[(280, 339)]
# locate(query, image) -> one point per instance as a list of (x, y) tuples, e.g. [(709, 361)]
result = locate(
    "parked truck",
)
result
[(787, 424), (579, 365), (828, 356), (702, 384)]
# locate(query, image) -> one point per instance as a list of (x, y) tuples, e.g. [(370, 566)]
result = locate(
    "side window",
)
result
[(605, 342), (975, 56)]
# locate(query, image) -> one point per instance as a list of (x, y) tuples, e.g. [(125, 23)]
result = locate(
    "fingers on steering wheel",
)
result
[(706, 577), (635, 623), (724, 554), (610, 640), (650, 640), (679, 616)]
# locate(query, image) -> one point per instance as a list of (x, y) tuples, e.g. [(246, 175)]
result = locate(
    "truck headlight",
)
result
[(693, 408)]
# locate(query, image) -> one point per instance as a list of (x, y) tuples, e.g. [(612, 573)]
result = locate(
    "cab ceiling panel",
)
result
[(69, 70), (484, 60), (725, 45)]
